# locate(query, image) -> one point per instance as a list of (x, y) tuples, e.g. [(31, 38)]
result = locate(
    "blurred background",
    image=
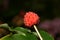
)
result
[(12, 12)]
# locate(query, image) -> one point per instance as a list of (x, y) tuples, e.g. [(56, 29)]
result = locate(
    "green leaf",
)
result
[(6, 26), (14, 37), (27, 37), (45, 35), (31, 36), (21, 29), (6, 37), (23, 34)]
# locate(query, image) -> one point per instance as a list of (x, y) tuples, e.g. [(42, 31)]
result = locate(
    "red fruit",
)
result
[(30, 18)]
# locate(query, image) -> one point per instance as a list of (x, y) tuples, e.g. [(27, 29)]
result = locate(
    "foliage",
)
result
[(24, 34)]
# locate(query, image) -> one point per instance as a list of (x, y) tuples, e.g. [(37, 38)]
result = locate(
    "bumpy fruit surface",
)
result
[(30, 18)]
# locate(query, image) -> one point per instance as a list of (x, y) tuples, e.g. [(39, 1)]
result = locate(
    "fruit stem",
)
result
[(38, 32)]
